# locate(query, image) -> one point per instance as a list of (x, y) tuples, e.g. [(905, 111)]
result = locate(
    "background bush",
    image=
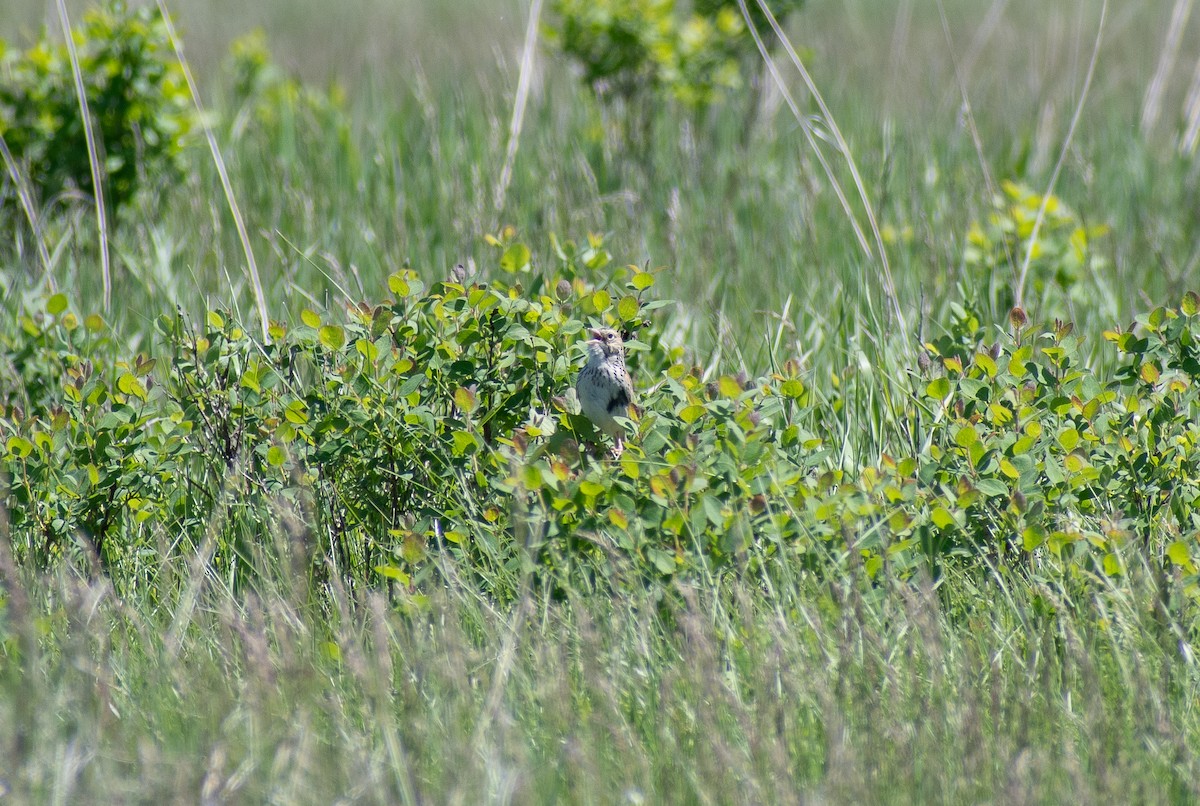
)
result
[(136, 95)]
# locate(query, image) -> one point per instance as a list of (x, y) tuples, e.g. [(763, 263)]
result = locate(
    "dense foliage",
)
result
[(138, 102), (445, 418), (640, 51)]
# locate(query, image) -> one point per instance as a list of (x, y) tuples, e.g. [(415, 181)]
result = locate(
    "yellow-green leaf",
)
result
[(1178, 553), (19, 447), (942, 518), (56, 304), (627, 308), (728, 386), (367, 349), (792, 389), (590, 488), (966, 436), (1069, 439), (393, 573), (515, 258), (128, 384), (397, 284), (464, 398), (332, 336)]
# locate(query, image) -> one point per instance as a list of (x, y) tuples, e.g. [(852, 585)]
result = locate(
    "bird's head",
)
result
[(605, 342)]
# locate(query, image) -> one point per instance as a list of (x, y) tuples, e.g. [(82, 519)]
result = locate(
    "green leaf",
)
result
[(627, 308), (215, 320), (664, 561), (1178, 553), (310, 318), (464, 441), (332, 336), (275, 456), (938, 389), (1069, 439), (516, 258), (1190, 304), (392, 573), (56, 304), (992, 488), (465, 399), (792, 389), (397, 284), (19, 447), (942, 518), (128, 384), (966, 436), (692, 413)]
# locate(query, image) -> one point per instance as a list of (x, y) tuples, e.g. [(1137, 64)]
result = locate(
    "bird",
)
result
[(604, 387)]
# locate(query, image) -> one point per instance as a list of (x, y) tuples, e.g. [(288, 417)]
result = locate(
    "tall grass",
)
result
[(751, 690)]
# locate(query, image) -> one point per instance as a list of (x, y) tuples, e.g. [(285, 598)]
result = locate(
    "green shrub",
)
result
[(265, 96), (137, 97), (441, 422), (1062, 256), (635, 52)]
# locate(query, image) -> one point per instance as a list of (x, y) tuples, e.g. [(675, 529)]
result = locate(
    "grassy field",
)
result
[(787, 672)]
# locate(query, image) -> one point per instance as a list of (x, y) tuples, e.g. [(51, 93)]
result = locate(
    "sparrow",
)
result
[(604, 387)]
